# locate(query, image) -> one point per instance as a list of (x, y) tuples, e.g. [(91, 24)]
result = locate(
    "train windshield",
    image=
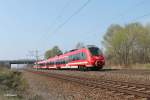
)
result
[(95, 51)]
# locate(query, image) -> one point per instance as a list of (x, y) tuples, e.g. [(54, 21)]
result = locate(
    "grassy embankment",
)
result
[(12, 85)]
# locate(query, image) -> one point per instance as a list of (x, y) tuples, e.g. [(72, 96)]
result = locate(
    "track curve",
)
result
[(123, 88)]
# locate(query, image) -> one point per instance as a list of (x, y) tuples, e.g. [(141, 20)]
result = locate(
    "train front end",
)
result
[(96, 57)]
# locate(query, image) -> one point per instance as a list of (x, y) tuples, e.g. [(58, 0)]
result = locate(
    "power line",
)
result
[(132, 7), (122, 14), (75, 13), (128, 10), (140, 17), (63, 9), (61, 13), (35, 54)]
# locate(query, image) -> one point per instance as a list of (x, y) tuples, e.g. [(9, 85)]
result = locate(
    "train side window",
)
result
[(78, 56), (57, 62), (67, 59), (60, 61), (74, 57), (54, 62), (63, 61), (70, 58), (83, 56), (50, 63)]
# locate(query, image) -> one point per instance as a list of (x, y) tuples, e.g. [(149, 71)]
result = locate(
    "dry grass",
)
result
[(11, 83), (140, 66), (133, 66)]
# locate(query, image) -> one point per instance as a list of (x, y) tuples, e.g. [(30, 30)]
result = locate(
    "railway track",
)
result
[(117, 87)]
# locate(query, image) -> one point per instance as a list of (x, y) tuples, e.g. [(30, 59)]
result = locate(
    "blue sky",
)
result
[(27, 25)]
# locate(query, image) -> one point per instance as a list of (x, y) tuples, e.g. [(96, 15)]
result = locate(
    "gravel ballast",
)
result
[(47, 88), (134, 76)]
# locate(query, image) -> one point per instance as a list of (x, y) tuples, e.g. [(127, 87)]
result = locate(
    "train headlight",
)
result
[(97, 63)]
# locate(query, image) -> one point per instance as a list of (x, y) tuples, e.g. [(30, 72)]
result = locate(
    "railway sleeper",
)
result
[(141, 89), (148, 91), (124, 86), (133, 87), (109, 86), (128, 84), (130, 96), (117, 85), (118, 94)]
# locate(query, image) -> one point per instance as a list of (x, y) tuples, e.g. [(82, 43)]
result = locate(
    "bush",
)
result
[(12, 81)]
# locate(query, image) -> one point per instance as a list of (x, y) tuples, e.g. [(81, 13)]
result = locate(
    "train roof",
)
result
[(87, 46), (73, 51)]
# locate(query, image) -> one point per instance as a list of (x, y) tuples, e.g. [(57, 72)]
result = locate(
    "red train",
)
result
[(89, 57)]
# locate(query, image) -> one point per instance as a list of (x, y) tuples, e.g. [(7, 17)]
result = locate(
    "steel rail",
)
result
[(139, 90)]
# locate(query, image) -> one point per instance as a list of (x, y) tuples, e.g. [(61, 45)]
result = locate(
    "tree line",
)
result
[(52, 52), (128, 44), (123, 45)]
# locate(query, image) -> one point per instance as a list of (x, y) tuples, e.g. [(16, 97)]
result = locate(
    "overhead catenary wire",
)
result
[(131, 8), (141, 17), (35, 54), (61, 13), (141, 2), (70, 17)]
